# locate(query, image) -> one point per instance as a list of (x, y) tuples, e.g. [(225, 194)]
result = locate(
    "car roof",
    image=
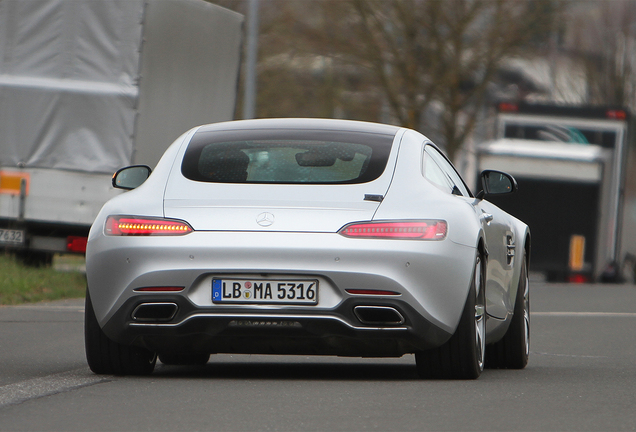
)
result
[(302, 124)]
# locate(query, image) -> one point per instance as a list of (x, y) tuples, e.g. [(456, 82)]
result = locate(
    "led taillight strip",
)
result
[(416, 230), (135, 226)]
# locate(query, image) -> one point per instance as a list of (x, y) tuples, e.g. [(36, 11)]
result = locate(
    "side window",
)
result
[(457, 185), (434, 174)]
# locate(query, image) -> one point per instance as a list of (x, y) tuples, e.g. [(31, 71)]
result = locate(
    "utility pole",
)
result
[(249, 100)]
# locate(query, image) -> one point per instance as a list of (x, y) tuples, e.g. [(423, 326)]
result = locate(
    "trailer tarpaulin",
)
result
[(69, 83), (189, 72)]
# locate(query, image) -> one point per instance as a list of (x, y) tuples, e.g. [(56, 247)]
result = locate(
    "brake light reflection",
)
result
[(372, 292), (160, 289)]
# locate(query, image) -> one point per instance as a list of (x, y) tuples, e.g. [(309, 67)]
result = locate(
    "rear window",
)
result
[(286, 156)]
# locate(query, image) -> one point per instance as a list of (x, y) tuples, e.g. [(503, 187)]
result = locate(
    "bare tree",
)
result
[(361, 58), (426, 53), (604, 38)]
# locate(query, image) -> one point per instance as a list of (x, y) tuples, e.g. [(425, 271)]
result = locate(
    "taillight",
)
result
[(404, 230), (578, 278), (616, 114), (508, 107), (141, 226), (76, 244)]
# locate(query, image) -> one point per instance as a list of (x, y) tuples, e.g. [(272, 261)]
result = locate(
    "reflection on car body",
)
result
[(307, 236)]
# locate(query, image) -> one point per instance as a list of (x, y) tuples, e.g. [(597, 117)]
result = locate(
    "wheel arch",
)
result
[(524, 232), (527, 248)]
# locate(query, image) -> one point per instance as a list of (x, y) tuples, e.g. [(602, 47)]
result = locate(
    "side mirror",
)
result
[(131, 177), (496, 183)]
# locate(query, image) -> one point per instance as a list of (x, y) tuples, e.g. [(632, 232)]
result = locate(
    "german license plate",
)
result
[(9, 236), (257, 291)]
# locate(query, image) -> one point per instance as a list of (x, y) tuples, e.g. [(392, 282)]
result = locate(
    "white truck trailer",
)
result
[(90, 86), (576, 168)]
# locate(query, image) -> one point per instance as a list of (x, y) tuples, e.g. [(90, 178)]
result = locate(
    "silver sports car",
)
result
[(306, 236)]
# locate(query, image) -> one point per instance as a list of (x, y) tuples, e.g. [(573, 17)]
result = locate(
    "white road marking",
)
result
[(586, 314), (16, 393), (566, 355), (49, 307)]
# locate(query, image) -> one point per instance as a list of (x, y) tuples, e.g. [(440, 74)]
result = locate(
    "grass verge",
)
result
[(20, 284)]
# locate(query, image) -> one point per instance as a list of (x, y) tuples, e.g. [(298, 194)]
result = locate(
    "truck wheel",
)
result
[(107, 357), (196, 359), (513, 350), (462, 357), (30, 258)]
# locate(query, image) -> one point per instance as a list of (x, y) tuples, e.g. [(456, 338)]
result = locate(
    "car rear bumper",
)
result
[(430, 280), (344, 331)]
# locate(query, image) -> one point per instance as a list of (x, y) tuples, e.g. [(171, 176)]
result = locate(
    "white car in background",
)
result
[(306, 236)]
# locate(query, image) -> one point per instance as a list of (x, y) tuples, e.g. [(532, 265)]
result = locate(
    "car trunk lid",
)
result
[(291, 208), (291, 180)]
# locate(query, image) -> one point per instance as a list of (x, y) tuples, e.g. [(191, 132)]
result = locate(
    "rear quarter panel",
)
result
[(411, 196), (146, 200)]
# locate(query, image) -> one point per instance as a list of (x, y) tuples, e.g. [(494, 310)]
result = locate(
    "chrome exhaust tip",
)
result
[(378, 315), (147, 312)]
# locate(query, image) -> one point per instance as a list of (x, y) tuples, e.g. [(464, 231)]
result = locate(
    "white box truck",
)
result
[(90, 86), (576, 168)]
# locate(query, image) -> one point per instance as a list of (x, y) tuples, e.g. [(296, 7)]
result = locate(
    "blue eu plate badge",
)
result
[(217, 289)]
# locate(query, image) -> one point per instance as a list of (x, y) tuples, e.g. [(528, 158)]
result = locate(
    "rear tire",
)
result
[(513, 350), (462, 357), (107, 357)]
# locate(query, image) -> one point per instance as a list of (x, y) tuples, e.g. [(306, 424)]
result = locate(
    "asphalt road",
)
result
[(581, 376)]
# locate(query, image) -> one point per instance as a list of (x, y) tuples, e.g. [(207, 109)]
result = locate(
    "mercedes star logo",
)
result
[(265, 219)]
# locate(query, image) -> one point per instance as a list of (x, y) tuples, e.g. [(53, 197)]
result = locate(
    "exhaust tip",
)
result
[(378, 315), (164, 311)]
